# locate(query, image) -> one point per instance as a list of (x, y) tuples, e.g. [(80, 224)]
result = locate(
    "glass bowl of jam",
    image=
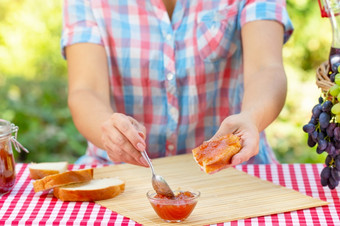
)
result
[(175, 209)]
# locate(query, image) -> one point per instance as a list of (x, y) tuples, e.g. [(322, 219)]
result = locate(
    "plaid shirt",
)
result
[(180, 78)]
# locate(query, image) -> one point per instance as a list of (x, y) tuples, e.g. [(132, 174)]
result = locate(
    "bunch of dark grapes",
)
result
[(324, 131)]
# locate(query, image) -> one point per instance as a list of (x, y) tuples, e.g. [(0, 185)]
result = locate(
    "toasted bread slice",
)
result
[(96, 189), (215, 155), (43, 169), (62, 179)]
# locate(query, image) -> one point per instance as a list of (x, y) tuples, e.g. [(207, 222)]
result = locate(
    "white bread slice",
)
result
[(62, 179), (43, 169), (96, 189)]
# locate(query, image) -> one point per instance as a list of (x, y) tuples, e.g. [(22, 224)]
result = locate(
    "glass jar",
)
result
[(7, 163)]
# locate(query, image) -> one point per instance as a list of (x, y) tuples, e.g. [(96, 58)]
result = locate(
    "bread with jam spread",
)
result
[(215, 155)]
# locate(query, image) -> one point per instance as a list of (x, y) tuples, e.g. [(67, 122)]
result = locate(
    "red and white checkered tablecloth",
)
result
[(24, 207)]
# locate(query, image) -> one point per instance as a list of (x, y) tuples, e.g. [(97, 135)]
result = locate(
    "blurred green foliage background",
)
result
[(33, 81)]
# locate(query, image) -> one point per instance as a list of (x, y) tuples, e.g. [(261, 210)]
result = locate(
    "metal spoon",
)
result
[(158, 182)]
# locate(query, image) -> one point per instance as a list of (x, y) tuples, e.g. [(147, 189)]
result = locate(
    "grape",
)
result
[(327, 106), (324, 181), (317, 109), (328, 160), (332, 183), (335, 109), (337, 162), (314, 135), (332, 77), (320, 100), (326, 172), (308, 128), (319, 151), (322, 145), (321, 135), (313, 121), (336, 67), (337, 150), (323, 131), (334, 90), (331, 149), (337, 145), (324, 120), (328, 147), (330, 129), (337, 133), (311, 143), (337, 79), (335, 174)]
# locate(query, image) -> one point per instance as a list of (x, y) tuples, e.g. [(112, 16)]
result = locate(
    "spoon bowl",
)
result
[(158, 182)]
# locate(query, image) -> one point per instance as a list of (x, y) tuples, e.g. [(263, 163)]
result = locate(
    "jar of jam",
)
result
[(7, 163)]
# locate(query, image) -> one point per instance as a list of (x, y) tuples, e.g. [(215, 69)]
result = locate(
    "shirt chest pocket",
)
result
[(215, 33)]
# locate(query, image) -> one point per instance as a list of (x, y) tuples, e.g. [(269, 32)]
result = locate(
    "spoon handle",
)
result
[(146, 157)]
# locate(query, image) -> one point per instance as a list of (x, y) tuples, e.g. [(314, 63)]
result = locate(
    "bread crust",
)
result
[(215, 155), (88, 195), (37, 171), (62, 179), (37, 174)]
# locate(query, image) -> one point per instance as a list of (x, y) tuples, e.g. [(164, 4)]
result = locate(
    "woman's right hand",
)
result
[(123, 138)]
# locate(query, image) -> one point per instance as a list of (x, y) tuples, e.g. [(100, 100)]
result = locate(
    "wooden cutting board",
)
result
[(225, 196)]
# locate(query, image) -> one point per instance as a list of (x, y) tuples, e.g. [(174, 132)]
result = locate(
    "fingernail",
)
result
[(140, 147), (141, 134), (143, 161)]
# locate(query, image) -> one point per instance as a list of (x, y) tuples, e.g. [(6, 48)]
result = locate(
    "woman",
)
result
[(163, 76)]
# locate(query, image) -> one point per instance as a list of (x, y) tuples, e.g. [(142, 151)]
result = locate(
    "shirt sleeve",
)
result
[(267, 10), (79, 24)]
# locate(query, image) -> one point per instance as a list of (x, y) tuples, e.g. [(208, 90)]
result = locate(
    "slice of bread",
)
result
[(96, 189), (43, 169), (215, 155), (62, 179)]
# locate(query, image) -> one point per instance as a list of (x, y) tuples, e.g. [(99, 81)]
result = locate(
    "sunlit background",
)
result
[(33, 81)]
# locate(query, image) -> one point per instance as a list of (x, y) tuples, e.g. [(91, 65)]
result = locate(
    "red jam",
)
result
[(7, 168), (174, 209)]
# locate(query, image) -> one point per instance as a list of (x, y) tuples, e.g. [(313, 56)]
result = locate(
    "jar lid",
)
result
[(5, 128)]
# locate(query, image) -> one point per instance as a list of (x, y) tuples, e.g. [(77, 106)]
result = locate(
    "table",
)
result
[(24, 207)]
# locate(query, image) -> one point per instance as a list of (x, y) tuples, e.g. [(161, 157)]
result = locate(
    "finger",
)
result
[(224, 129), (236, 160), (124, 125), (142, 135), (121, 141), (117, 154), (248, 150), (139, 127)]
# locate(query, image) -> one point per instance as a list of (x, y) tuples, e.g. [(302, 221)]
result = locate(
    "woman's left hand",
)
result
[(242, 126)]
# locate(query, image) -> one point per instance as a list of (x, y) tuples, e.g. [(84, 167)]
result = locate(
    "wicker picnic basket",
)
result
[(322, 79)]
